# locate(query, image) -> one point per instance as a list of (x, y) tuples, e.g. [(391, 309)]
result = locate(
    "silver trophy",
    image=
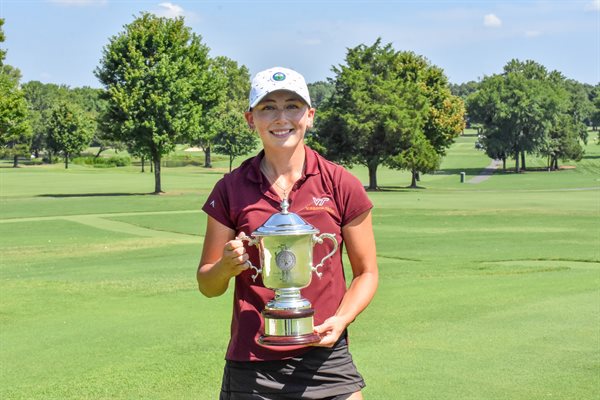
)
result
[(285, 245)]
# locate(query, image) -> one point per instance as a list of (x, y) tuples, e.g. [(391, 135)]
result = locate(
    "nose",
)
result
[(279, 114)]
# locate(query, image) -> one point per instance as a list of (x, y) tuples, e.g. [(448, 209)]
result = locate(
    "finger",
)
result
[(234, 244), (241, 259), (326, 341), (323, 328)]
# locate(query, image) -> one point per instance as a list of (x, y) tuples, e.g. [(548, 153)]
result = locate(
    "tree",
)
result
[(15, 130), (69, 130), (595, 111), (157, 85), (41, 98), (233, 137), (568, 129), (385, 103), (232, 84), (463, 90), (2, 39), (371, 113), (319, 92), (420, 156), (91, 102), (517, 110), (445, 113)]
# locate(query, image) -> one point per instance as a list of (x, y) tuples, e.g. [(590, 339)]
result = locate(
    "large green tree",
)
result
[(15, 130), (444, 117), (157, 85), (519, 109), (371, 114), (70, 130), (568, 130), (386, 103)]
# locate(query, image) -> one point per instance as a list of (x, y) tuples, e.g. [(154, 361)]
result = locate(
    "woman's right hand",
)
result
[(223, 257), (235, 258)]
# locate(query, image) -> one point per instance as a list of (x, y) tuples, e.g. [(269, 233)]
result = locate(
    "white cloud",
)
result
[(492, 21), (170, 10), (593, 5), (79, 3)]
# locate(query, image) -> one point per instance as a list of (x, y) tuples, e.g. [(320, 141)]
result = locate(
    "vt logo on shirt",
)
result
[(319, 202)]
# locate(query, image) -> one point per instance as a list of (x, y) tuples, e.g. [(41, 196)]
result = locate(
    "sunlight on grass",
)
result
[(487, 291)]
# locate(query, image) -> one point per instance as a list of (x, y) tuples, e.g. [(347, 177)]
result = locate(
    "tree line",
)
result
[(383, 107), (529, 110)]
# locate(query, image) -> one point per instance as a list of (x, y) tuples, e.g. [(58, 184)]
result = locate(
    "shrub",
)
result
[(103, 162)]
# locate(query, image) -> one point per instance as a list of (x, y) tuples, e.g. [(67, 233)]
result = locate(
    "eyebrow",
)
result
[(273, 101)]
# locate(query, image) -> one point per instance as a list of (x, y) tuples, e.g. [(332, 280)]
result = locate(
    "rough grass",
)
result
[(487, 291)]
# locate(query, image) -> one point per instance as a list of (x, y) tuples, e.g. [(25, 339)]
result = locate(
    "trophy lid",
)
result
[(285, 223)]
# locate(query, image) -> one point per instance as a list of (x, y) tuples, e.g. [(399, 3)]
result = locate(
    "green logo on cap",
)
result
[(278, 76)]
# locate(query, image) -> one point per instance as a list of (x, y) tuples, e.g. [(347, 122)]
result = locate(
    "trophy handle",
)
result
[(251, 242), (319, 240)]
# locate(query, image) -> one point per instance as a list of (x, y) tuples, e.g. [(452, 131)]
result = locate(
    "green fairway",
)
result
[(487, 291)]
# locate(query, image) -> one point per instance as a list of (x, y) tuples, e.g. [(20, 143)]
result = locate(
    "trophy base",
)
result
[(288, 327), (301, 340)]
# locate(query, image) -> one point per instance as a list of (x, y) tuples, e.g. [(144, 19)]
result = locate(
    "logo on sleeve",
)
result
[(212, 204)]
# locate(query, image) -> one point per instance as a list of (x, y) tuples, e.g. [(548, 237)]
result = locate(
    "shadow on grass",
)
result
[(467, 171), (67, 195), (395, 189)]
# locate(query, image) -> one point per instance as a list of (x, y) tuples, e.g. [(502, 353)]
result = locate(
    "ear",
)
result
[(250, 119), (311, 118)]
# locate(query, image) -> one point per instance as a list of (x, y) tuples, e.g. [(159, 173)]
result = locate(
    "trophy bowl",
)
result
[(285, 245)]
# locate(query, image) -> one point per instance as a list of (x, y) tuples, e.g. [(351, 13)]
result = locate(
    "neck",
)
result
[(283, 170), (279, 163)]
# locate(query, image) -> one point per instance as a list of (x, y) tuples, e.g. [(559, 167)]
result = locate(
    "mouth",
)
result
[(281, 133)]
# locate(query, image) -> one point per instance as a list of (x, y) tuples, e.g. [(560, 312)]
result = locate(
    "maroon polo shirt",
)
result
[(327, 197)]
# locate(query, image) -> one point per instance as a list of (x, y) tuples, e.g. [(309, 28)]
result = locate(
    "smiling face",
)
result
[(281, 119)]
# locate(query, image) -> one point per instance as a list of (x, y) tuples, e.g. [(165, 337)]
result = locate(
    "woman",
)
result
[(327, 197)]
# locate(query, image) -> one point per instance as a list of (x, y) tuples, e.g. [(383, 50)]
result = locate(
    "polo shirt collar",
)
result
[(311, 167)]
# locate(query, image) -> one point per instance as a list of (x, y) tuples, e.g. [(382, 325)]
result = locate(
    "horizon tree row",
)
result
[(530, 110), (382, 107)]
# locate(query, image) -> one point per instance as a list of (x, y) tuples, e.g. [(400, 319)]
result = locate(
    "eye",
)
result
[(292, 106)]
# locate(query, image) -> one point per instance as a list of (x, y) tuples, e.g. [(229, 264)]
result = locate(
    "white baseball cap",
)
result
[(277, 78)]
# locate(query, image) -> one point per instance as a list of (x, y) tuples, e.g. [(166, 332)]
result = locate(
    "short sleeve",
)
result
[(352, 195), (217, 204)]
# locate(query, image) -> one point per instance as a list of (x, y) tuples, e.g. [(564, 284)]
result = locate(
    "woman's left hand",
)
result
[(360, 246), (330, 331)]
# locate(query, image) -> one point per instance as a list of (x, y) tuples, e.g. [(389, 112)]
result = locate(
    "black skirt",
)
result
[(320, 373)]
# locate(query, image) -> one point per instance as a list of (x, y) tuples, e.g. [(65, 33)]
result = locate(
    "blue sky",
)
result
[(61, 41)]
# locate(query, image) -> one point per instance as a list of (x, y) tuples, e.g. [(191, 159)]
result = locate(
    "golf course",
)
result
[(489, 288)]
